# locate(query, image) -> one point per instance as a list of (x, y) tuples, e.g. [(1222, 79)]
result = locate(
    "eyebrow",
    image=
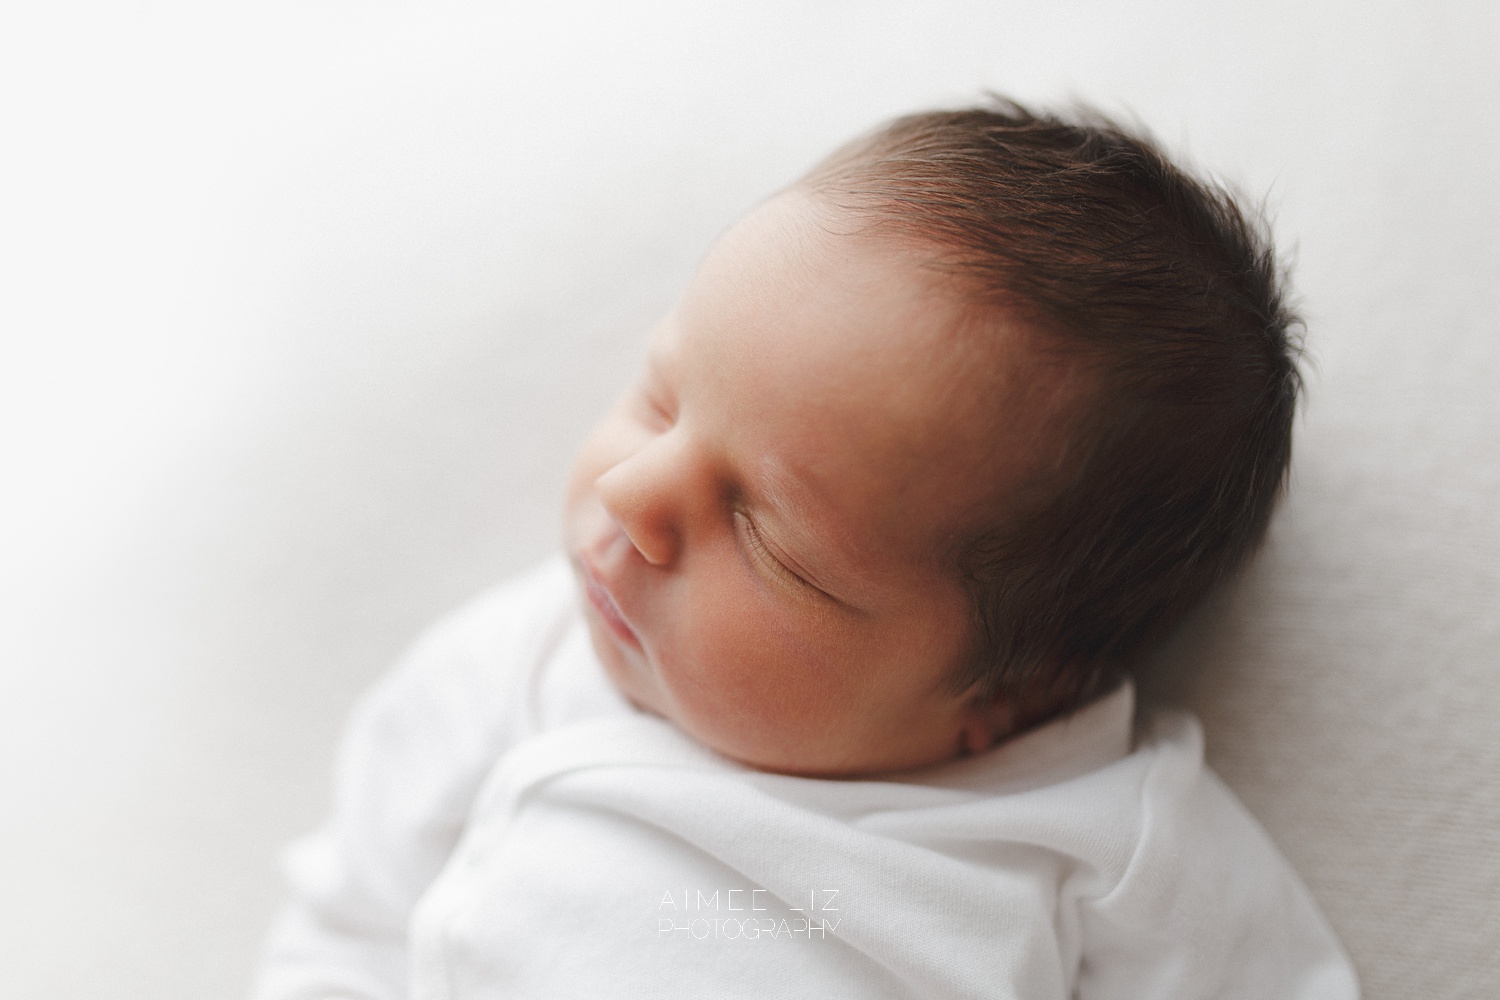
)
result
[(658, 364)]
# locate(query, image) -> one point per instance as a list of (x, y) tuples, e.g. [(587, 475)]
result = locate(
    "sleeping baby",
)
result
[(831, 695)]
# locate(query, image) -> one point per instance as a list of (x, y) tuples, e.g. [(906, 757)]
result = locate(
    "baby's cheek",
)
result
[(754, 682)]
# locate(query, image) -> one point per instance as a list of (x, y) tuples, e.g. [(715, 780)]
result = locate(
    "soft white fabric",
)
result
[(506, 825)]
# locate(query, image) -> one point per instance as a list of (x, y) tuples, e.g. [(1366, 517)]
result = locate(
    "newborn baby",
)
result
[(832, 695)]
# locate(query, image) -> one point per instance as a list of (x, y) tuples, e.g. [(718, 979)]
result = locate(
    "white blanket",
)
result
[(600, 853)]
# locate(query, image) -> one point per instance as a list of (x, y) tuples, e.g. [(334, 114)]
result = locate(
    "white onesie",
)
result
[(505, 824)]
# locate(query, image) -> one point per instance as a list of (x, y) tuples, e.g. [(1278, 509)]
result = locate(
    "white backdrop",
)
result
[(303, 308)]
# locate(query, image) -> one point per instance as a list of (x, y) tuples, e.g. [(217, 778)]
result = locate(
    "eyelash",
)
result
[(763, 555)]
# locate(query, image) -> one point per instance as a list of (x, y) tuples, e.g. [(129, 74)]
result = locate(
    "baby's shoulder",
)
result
[(470, 671), (1204, 895), (514, 618)]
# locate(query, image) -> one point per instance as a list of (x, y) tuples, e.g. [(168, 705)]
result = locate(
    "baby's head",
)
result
[(933, 443)]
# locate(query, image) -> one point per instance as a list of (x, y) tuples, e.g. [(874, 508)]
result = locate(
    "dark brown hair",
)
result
[(1168, 293)]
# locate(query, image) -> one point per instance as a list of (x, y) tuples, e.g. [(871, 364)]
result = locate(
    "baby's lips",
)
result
[(603, 602)]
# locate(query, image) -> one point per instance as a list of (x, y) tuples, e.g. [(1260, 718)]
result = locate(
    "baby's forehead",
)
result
[(862, 364), (981, 414), (938, 441)]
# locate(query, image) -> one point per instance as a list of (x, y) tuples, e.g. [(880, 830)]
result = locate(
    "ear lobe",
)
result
[(985, 722)]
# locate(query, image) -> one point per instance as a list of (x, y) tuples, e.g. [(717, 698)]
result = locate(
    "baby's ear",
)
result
[(986, 720)]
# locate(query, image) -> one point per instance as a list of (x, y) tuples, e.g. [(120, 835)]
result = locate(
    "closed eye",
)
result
[(660, 411), (652, 406), (755, 546), (658, 390)]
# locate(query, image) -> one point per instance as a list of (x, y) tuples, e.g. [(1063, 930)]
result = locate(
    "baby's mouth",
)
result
[(604, 604)]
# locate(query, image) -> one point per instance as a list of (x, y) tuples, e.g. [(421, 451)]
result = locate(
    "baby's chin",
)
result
[(621, 673), (756, 746)]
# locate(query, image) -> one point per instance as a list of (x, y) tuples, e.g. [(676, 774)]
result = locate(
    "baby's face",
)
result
[(760, 524)]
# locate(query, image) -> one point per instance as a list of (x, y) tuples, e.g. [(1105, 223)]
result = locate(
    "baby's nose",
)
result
[(644, 494)]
